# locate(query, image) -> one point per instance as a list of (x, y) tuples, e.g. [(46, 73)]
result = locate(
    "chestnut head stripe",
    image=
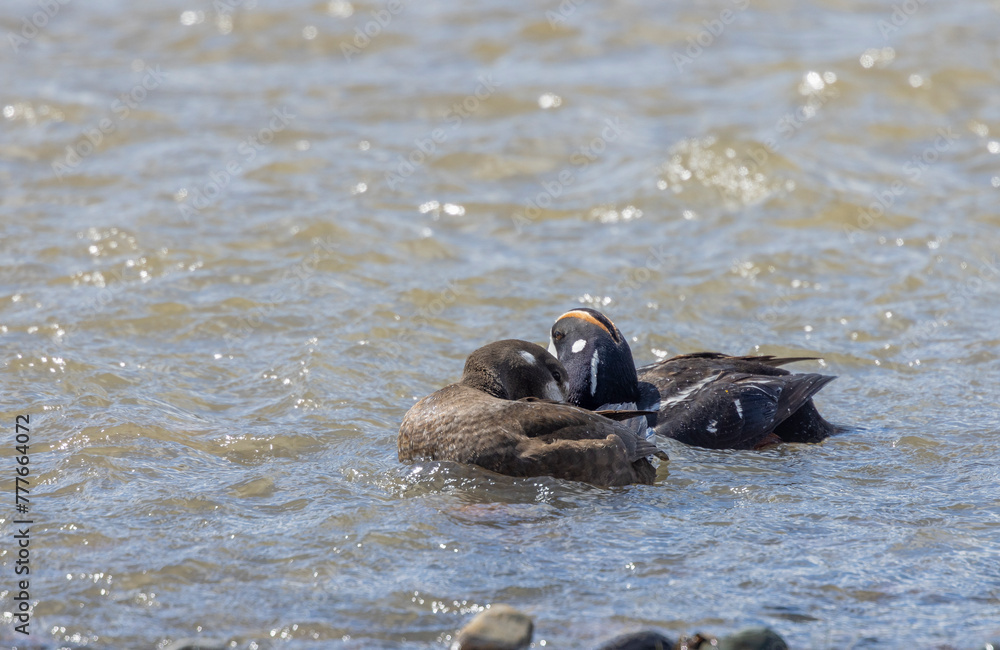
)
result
[(603, 322)]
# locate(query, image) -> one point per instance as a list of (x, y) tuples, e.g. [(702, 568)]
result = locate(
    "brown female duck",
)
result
[(504, 415)]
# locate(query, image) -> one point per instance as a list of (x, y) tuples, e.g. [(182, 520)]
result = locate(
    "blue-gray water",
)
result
[(269, 236)]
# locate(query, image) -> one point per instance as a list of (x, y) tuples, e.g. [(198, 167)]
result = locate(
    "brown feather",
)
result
[(524, 438)]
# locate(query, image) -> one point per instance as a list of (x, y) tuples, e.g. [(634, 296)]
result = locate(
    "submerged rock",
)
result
[(754, 638), (501, 627), (647, 640)]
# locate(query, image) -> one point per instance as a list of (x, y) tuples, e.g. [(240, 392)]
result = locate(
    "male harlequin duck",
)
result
[(705, 399), (499, 417)]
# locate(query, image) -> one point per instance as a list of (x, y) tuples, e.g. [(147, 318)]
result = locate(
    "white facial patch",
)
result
[(739, 408), (579, 345), (594, 362), (529, 357), (552, 349)]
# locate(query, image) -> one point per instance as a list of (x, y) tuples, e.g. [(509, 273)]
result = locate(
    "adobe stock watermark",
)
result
[(225, 7), (250, 321), (634, 278), (777, 312), (120, 109), (579, 161), (392, 345), (112, 283), (965, 291), (913, 168), (363, 35), (901, 14), (32, 26), (746, 168), (711, 30), (221, 178), (562, 13), (821, 90), (425, 147), (402, 343)]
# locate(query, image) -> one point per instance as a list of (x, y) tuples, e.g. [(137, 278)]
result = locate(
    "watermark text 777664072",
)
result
[(22, 525)]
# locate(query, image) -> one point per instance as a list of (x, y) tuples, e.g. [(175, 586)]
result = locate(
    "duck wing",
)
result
[(721, 402), (699, 364)]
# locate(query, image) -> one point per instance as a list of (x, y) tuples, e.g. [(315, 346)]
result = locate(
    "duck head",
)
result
[(597, 358), (513, 369)]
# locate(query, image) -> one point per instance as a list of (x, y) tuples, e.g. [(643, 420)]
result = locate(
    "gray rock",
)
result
[(501, 627), (647, 640), (754, 638)]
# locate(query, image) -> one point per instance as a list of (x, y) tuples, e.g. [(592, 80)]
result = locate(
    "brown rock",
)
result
[(501, 627)]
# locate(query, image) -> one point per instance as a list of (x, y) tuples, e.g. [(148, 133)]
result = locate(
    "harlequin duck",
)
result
[(705, 399), (505, 415)]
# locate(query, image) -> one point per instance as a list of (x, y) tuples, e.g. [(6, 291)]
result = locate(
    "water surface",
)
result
[(239, 240)]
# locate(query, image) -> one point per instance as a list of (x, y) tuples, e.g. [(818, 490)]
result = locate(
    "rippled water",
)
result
[(239, 240)]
